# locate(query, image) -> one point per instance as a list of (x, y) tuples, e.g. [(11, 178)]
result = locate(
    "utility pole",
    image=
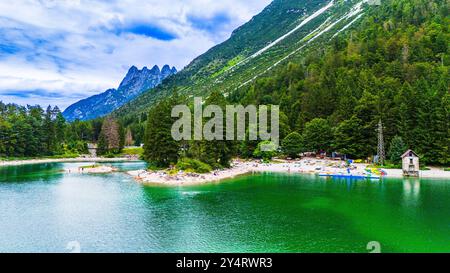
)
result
[(380, 150)]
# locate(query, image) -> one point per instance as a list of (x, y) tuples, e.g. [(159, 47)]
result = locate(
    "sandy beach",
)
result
[(62, 160), (185, 179), (94, 169), (304, 166)]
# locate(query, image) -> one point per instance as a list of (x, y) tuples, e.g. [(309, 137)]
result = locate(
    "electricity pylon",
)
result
[(380, 150)]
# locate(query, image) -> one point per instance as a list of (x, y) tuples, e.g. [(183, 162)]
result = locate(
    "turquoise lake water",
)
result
[(43, 209)]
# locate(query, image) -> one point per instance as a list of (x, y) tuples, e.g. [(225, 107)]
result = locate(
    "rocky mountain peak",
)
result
[(155, 69), (135, 83)]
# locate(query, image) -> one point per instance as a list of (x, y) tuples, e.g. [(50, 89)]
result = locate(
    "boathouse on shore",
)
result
[(410, 163)]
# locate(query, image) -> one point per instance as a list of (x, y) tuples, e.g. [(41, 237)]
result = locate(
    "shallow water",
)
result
[(45, 210)]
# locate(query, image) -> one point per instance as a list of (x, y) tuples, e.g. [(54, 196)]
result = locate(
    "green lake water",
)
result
[(43, 209)]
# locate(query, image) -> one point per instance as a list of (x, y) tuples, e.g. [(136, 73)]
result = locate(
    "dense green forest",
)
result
[(393, 67), (30, 131), (34, 132)]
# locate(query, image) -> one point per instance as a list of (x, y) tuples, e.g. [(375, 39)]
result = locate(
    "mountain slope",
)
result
[(135, 82), (392, 66), (284, 30), (335, 72)]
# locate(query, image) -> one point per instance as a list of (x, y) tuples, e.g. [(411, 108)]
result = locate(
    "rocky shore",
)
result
[(305, 166)]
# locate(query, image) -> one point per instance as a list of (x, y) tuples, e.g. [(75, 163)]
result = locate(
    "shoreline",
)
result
[(305, 166), (186, 179), (63, 160), (311, 166)]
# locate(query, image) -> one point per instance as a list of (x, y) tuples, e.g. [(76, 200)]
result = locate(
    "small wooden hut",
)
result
[(410, 163)]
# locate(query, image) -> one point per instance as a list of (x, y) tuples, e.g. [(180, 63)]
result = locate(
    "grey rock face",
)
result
[(135, 83)]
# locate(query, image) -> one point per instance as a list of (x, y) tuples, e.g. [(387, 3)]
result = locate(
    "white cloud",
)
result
[(77, 48)]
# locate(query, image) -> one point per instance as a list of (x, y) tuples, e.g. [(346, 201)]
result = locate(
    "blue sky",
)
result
[(59, 51)]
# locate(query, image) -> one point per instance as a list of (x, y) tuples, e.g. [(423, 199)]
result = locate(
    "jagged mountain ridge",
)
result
[(135, 82)]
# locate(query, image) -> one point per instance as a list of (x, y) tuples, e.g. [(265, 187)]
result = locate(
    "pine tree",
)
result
[(128, 138), (160, 149), (35, 132), (443, 123), (5, 133), (217, 153), (60, 127), (317, 135), (292, 145), (49, 129), (396, 149), (348, 138), (102, 145)]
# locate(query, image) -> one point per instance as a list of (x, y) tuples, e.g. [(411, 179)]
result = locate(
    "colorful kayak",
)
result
[(349, 176)]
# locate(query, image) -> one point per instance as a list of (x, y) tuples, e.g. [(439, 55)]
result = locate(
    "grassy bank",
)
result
[(133, 151)]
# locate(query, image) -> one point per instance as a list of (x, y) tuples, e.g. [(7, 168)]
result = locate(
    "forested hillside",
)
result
[(278, 32), (393, 67), (390, 66)]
